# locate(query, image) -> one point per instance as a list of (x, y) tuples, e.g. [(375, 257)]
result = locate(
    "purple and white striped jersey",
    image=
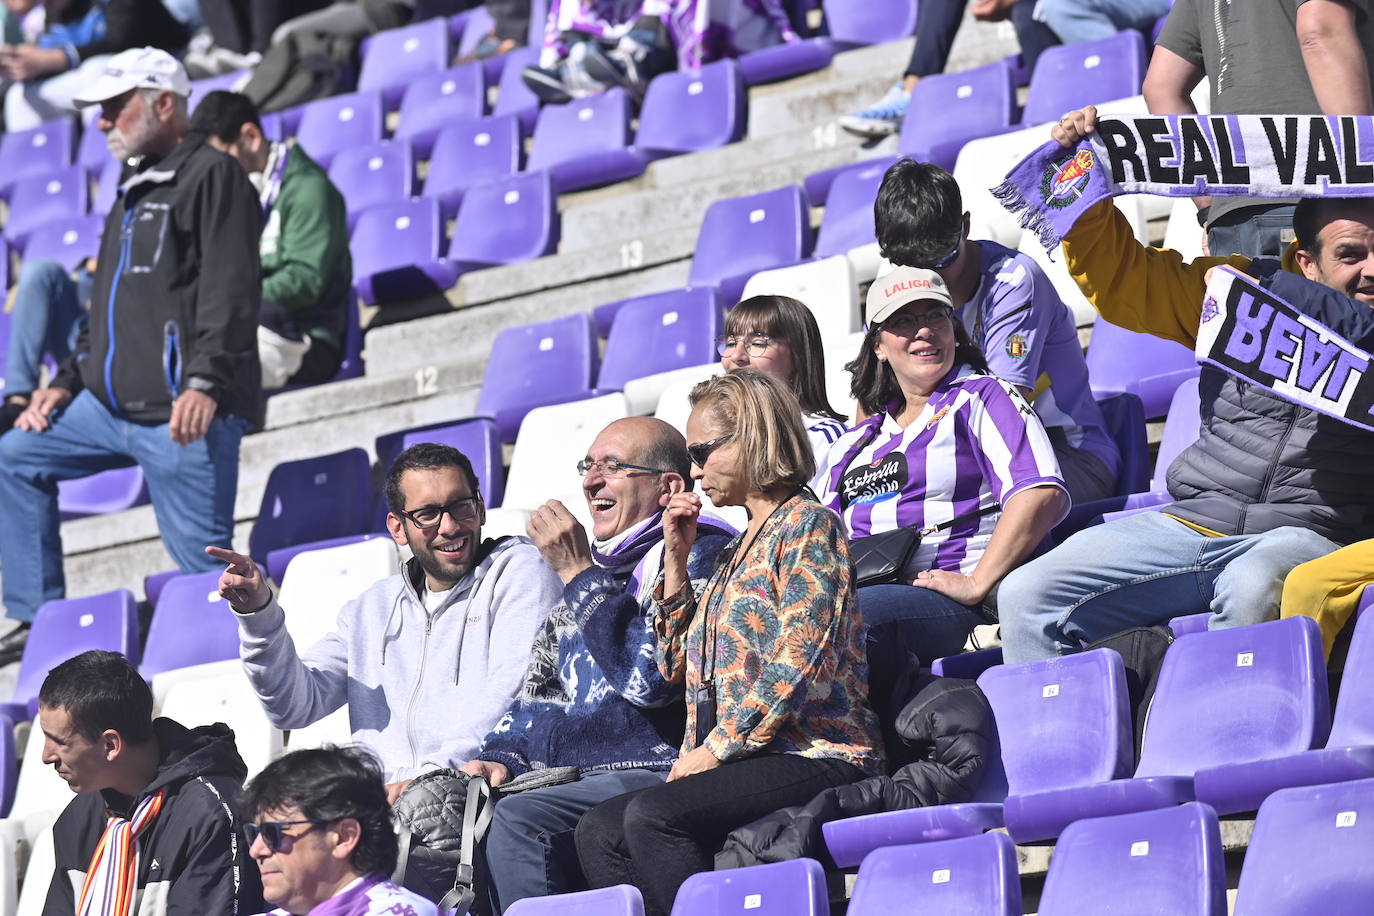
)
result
[(976, 444)]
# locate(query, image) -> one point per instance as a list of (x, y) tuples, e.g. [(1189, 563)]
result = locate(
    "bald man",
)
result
[(593, 697)]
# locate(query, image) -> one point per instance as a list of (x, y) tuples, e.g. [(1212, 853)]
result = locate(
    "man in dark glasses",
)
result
[(320, 831)]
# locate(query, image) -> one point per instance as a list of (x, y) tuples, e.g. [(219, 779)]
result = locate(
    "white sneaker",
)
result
[(882, 118)]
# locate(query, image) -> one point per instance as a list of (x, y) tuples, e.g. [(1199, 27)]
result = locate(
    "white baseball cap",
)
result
[(136, 68), (902, 285)]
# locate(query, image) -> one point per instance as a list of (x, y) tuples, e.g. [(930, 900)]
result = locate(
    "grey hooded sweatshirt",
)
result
[(422, 688)]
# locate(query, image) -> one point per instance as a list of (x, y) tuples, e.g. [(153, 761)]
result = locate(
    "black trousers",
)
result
[(937, 22), (657, 838)]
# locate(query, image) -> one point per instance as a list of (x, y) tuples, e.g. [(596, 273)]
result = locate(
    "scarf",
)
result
[(633, 546), (112, 876), (1256, 336), (1190, 156)]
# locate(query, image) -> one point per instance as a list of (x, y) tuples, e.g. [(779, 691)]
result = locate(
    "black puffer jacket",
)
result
[(938, 748)]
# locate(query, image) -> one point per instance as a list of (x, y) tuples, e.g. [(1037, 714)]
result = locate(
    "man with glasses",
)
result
[(427, 660), (154, 827), (321, 834), (593, 697)]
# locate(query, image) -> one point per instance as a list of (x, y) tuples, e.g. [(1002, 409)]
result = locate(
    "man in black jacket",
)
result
[(166, 374), (164, 795)]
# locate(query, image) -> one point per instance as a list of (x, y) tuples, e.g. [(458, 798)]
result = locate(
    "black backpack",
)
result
[(1142, 649), (304, 67)]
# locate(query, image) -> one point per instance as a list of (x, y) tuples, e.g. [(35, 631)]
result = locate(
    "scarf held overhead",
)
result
[(1190, 156)]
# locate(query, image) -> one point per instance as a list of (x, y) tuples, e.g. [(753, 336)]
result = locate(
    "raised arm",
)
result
[(1334, 57)]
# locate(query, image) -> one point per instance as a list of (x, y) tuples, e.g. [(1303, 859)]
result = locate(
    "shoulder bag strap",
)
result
[(477, 815)]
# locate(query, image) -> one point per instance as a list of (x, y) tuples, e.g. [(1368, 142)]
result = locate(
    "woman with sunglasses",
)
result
[(947, 449), (770, 655)]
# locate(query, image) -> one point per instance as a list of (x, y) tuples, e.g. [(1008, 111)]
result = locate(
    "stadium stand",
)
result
[(975, 874)]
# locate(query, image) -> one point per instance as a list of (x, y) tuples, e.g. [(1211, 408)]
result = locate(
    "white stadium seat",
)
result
[(220, 692), (827, 287)]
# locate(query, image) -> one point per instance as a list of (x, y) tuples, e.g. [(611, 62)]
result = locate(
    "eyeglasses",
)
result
[(949, 258), (273, 835), (905, 324), (700, 451), (754, 344), (612, 467), (460, 510)]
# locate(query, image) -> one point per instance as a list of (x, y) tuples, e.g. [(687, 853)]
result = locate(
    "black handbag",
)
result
[(880, 558)]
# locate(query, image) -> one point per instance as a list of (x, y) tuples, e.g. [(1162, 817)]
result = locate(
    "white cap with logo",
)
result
[(903, 285), (136, 68)]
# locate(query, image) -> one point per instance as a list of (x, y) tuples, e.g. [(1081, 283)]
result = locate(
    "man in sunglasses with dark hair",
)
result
[(427, 660)]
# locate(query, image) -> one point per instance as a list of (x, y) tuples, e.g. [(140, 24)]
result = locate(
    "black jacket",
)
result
[(938, 748), (175, 299), (193, 860)]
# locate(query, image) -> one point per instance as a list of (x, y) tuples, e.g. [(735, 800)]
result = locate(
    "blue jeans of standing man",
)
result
[(47, 316), (192, 489), (1143, 570), (1088, 20)]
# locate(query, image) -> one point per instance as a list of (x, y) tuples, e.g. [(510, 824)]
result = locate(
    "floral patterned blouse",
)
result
[(790, 674)]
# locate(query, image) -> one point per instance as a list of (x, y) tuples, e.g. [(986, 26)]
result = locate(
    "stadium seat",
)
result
[(1310, 852), (967, 876), (686, 112), (433, 101), (9, 765), (377, 173), (586, 142), (537, 364), (742, 235), (513, 97), (479, 23), (279, 559), (33, 894), (621, 900), (475, 437), (107, 177), (5, 272), (673, 405), (192, 625), (1071, 76), (1182, 233), (792, 888), (34, 152), (396, 58), (1149, 367), (220, 692), (658, 334), (203, 87), (305, 500), (1057, 272), (38, 789), (505, 221), (826, 286), (850, 25), (840, 350), (847, 225), (949, 109), (154, 583), (342, 122), (68, 241), (552, 440), (1166, 861), (967, 664), (397, 252), (94, 149), (99, 494), (469, 151), (58, 194)]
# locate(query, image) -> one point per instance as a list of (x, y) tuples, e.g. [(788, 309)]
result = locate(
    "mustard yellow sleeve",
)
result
[(1133, 286), (1328, 589)]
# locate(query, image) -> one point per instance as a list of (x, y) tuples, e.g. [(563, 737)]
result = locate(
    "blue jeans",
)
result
[(1088, 20), (905, 619), (530, 850), (1256, 232), (47, 317), (1143, 570), (192, 489)]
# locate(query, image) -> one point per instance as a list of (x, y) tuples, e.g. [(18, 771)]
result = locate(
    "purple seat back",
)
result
[(5, 275), (1310, 852), (476, 438), (848, 219), (107, 186), (949, 109), (395, 58), (621, 900), (792, 888), (968, 876), (374, 174), (154, 584), (660, 332), (685, 112), (470, 151), (1265, 686), (1166, 861), (506, 221), (432, 101), (68, 241), (94, 149), (1072, 76), (1124, 416), (279, 559), (108, 491), (310, 499), (1147, 366), (537, 364), (201, 88), (9, 765), (334, 124), (586, 142), (1062, 722), (1181, 429), (67, 627), (741, 236), (513, 97), (58, 194), (871, 22), (37, 151), (192, 625), (396, 250), (1353, 724)]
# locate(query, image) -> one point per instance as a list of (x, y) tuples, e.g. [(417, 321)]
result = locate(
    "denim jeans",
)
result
[(530, 850), (904, 618), (192, 489), (47, 317), (1143, 570), (1088, 20), (938, 21), (1256, 232)]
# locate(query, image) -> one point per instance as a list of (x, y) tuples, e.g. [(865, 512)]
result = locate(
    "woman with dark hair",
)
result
[(947, 449)]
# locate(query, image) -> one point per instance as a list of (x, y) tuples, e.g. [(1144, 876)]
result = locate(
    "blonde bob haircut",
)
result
[(764, 418)]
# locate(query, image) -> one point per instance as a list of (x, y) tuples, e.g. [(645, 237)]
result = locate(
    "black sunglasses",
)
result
[(700, 451), (272, 833)]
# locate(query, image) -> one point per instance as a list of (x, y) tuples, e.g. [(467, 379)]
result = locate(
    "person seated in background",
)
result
[(1012, 313), (593, 696), (155, 815), (47, 314), (307, 272), (319, 828), (510, 28), (770, 653), (949, 449), (462, 609)]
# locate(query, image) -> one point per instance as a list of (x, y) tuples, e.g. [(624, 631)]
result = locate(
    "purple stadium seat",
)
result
[(1125, 422), (816, 186), (1147, 366), (1310, 852), (339, 123), (661, 332), (479, 23), (9, 765), (1165, 861), (154, 584), (967, 876), (534, 365), (1157, 28), (966, 664), (1189, 623), (192, 625), (325, 496), (69, 241), (850, 24), (377, 173), (279, 559), (949, 109), (586, 142), (1072, 76), (201, 88), (4, 269), (687, 112), (848, 219), (470, 151), (37, 151), (99, 494), (58, 194), (397, 252), (741, 236), (476, 438), (513, 97), (107, 186), (505, 221), (793, 888), (432, 102), (395, 58), (621, 900), (94, 149)]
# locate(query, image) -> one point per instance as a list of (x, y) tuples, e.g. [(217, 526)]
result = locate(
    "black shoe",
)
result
[(547, 83), (9, 412), (640, 56), (12, 643)]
